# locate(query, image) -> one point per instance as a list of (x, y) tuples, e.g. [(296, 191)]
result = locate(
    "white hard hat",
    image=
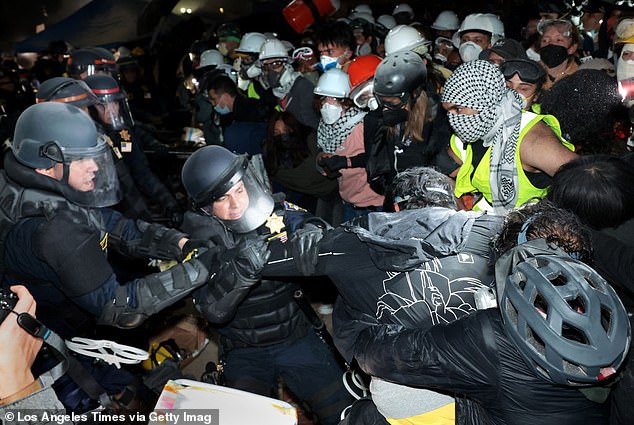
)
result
[(387, 21), (362, 15), (211, 57), (334, 83), (403, 38), (479, 22), (447, 20), (361, 8), (273, 48), (404, 8), (251, 42), (496, 24)]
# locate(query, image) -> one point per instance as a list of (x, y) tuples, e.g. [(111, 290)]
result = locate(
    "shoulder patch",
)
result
[(292, 207)]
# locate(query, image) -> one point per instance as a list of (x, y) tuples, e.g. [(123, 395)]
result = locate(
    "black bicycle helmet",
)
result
[(565, 319), (399, 73)]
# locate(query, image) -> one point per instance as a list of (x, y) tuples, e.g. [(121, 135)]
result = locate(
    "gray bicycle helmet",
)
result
[(565, 319)]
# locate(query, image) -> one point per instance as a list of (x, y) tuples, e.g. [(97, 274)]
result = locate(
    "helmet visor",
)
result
[(114, 111), (92, 177), (246, 204)]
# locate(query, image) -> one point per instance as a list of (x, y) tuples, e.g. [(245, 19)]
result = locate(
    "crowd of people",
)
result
[(464, 185)]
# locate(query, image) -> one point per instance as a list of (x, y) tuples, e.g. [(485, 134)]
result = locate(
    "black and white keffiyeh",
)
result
[(331, 136), (481, 86)]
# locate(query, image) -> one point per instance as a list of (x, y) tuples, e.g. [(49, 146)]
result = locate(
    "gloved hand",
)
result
[(194, 245), (305, 244), (248, 258), (334, 163)]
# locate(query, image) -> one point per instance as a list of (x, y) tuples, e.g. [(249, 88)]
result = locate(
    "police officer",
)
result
[(264, 332), (55, 232), (114, 119)]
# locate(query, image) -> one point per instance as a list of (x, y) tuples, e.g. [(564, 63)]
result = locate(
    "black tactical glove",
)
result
[(334, 163), (305, 244), (194, 245), (248, 258)]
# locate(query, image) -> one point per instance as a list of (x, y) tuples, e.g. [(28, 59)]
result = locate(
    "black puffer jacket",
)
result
[(474, 357)]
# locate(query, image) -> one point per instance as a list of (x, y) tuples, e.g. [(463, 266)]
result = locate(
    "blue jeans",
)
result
[(307, 366)]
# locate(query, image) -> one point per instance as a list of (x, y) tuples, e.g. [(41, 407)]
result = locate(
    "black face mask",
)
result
[(285, 140), (392, 117), (553, 55), (273, 78)]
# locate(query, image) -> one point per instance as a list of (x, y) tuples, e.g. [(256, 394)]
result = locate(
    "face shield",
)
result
[(240, 200), (89, 176), (114, 111)]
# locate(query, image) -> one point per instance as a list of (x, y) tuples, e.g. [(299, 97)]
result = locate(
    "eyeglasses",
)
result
[(529, 71)]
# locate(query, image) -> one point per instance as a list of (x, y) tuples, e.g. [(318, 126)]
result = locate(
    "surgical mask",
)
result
[(328, 62), (364, 49), (222, 110), (330, 113), (469, 51), (553, 55)]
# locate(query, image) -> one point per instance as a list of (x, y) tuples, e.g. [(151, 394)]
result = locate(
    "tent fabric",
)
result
[(100, 22)]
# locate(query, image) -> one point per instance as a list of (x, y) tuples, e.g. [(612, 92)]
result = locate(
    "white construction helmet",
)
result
[(480, 22), (447, 20), (272, 49), (333, 83), (211, 57), (403, 38), (497, 25), (363, 16), (251, 43), (387, 21), (403, 8), (361, 8)]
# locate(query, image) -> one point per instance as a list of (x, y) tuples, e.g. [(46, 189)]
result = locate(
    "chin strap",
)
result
[(108, 351)]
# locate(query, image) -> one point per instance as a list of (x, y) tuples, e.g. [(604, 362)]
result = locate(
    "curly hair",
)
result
[(547, 221)]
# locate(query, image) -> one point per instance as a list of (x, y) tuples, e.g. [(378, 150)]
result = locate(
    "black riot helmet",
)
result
[(210, 172), (66, 90), (50, 133), (82, 62), (106, 61), (113, 110), (399, 75)]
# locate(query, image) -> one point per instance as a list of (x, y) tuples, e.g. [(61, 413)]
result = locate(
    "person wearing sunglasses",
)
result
[(526, 77), (558, 46)]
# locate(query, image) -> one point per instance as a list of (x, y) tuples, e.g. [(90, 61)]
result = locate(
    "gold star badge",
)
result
[(125, 135), (275, 223)]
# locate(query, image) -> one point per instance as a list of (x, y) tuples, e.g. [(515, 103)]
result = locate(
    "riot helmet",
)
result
[(564, 318), (212, 174), (113, 110), (106, 62), (81, 63), (51, 134), (66, 90)]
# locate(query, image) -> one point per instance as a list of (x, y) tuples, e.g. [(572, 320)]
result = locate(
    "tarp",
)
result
[(99, 23)]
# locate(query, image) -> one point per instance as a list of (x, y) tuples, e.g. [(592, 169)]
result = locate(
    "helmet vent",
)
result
[(572, 333), (606, 320)]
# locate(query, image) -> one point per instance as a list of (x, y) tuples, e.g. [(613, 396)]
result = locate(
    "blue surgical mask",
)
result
[(224, 110)]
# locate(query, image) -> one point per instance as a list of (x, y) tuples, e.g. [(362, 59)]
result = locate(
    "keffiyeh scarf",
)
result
[(331, 136), (480, 85)]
